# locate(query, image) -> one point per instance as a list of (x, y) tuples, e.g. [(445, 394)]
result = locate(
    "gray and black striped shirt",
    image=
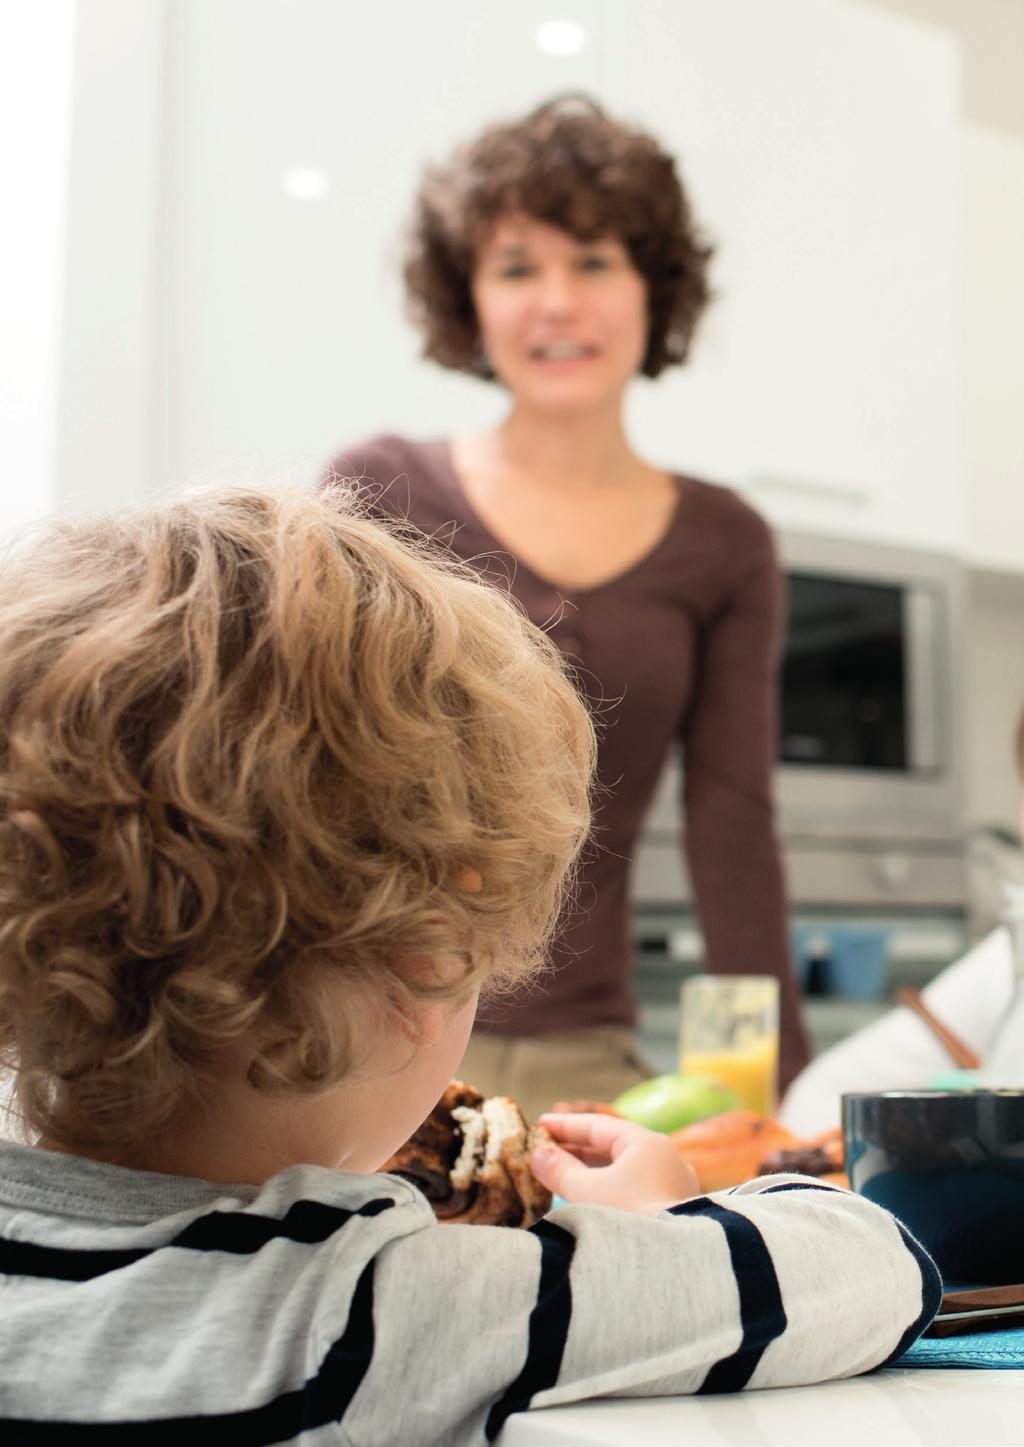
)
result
[(328, 1307)]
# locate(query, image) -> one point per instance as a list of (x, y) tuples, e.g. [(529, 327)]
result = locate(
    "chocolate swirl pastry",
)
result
[(470, 1158)]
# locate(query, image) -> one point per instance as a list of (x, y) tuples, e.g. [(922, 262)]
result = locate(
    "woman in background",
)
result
[(557, 255)]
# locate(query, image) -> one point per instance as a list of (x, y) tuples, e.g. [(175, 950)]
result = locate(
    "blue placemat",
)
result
[(1004, 1349)]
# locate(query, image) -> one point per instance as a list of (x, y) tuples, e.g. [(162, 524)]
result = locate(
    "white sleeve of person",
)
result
[(898, 1052), (779, 1282)]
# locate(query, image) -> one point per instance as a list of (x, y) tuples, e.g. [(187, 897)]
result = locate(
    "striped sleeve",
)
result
[(778, 1283)]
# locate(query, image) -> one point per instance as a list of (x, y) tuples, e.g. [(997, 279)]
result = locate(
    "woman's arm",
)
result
[(729, 751)]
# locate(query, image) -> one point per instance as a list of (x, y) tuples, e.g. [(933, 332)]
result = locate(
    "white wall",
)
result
[(831, 360), (994, 696), (994, 375), (104, 442), (35, 124)]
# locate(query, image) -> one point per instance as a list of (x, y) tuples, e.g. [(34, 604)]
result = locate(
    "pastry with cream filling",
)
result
[(470, 1158)]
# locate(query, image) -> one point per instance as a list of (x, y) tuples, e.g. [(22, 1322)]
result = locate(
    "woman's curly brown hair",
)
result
[(249, 744), (571, 165)]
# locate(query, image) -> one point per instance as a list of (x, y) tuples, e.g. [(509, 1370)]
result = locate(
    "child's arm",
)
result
[(779, 1282)]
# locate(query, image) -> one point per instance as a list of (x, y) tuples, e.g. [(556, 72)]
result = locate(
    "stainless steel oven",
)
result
[(870, 769), (870, 736), (860, 678)]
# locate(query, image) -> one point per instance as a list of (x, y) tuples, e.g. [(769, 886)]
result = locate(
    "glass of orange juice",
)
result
[(729, 1028)]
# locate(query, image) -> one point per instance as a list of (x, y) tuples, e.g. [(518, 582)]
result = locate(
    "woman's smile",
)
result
[(563, 354)]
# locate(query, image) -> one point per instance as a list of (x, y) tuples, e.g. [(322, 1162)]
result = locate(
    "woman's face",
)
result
[(563, 322)]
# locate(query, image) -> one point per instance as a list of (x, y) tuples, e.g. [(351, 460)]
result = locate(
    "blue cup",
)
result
[(858, 961)]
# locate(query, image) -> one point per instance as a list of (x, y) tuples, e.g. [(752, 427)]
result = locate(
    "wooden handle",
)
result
[(961, 1054)]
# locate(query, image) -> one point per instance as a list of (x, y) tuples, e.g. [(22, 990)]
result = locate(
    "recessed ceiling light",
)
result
[(560, 37), (306, 184)]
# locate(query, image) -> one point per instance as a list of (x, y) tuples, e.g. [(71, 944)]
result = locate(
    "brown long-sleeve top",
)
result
[(682, 645)]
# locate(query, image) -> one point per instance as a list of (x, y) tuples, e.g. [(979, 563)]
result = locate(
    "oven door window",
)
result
[(845, 675)]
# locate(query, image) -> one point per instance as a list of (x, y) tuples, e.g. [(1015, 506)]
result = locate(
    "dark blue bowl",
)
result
[(950, 1165)]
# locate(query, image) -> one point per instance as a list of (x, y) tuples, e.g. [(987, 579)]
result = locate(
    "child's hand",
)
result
[(612, 1162)]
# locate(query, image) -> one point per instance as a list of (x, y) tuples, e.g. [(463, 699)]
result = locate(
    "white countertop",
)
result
[(899, 1407)]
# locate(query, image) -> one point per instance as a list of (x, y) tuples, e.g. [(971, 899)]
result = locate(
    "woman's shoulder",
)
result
[(722, 508), (397, 475), (720, 520), (383, 458)]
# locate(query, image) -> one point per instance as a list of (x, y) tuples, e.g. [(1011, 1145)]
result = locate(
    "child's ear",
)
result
[(425, 1027), (431, 1023)]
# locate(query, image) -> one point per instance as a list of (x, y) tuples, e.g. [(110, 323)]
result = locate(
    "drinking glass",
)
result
[(729, 1028)]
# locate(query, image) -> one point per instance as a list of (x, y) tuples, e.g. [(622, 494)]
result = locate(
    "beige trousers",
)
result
[(538, 1070)]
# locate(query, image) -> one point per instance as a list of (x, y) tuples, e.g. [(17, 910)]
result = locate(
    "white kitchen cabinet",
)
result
[(994, 347), (822, 144)]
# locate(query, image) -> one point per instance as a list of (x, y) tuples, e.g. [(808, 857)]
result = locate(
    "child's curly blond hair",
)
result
[(251, 742)]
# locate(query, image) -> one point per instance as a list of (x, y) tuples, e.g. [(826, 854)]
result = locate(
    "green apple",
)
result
[(669, 1102)]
